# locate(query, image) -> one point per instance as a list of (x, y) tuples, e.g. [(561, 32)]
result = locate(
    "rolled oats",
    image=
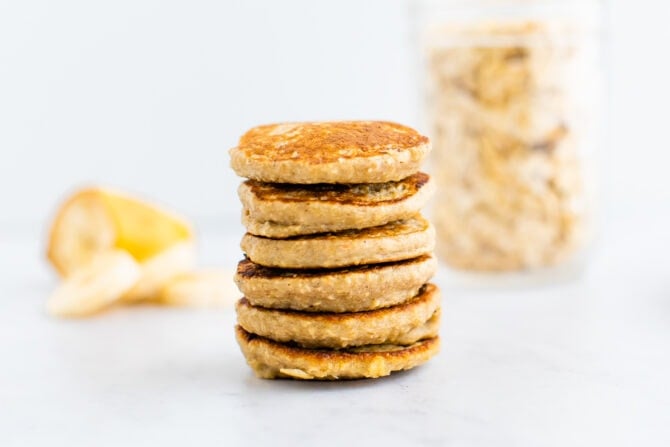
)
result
[(509, 118)]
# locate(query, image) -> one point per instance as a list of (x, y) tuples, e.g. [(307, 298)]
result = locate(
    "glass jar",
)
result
[(512, 107)]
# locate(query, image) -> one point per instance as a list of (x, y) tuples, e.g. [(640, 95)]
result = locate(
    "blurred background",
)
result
[(149, 95)]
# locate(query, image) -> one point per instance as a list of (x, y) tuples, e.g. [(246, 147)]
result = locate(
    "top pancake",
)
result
[(329, 152)]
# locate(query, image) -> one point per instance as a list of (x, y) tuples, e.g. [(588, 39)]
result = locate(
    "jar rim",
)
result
[(448, 11)]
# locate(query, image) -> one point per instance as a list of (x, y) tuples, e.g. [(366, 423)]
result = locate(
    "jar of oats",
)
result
[(512, 107)]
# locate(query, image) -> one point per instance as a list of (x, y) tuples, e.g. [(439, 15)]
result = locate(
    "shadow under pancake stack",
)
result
[(338, 257)]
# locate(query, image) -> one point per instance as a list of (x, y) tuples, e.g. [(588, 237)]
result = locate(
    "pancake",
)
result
[(282, 210), (352, 289), (395, 241), (390, 325), (329, 152), (270, 359)]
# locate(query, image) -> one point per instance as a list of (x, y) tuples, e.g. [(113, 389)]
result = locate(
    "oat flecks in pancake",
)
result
[(325, 142), (348, 289), (279, 211), (342, 152), (338, 255), (391, 242), (339, 330)]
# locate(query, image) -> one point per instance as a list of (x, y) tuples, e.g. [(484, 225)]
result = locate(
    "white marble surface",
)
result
[(584, 362)]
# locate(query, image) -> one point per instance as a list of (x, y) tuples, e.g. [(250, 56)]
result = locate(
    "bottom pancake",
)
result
[(272, 360)]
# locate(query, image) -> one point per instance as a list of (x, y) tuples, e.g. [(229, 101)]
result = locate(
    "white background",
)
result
[(148, 95)]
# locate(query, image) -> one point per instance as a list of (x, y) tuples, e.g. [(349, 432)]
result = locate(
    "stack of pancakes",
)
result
[(338, 258)]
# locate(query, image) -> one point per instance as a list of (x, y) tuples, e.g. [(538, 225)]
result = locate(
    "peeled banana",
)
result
[(200, 288), (160, 269), (110, 247), (102, 281)]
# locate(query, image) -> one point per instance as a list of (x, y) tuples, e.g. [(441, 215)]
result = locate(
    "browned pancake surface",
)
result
[(327, 142), (413, 225), (427, 295), (270, 359), (404, 323), (363, 194), (249, 269)]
